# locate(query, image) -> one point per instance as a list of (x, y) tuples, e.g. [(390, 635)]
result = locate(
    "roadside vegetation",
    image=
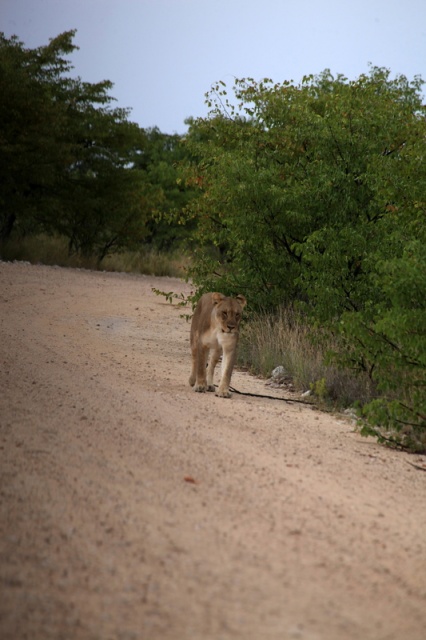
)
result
[(53, 250), (308, 198), (287, 339), (313, 196)]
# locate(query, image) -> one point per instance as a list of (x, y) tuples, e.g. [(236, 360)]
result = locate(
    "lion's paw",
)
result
[(223, 393)]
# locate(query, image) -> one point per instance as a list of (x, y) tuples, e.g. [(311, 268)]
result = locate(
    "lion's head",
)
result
[(228, 311)]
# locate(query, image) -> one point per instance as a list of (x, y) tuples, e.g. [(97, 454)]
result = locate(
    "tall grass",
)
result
[(287, 339), (53, 250)]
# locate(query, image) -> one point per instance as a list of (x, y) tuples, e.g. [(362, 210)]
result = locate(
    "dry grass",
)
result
[(49, 250), (148, 261), (288, 340)]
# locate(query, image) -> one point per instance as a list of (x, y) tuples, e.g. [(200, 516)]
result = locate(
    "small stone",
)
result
[(278, 373)]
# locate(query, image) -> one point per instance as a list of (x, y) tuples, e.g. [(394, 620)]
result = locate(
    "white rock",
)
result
[(278, 373)]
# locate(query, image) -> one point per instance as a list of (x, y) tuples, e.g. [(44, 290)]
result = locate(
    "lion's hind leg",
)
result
[(193, 376)]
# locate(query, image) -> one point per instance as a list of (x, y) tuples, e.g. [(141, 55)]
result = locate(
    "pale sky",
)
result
[(163, 55)]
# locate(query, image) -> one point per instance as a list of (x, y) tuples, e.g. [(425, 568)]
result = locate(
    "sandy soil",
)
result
[(133, 508)]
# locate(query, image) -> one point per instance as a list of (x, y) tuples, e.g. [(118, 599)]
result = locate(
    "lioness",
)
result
[(214, 328)]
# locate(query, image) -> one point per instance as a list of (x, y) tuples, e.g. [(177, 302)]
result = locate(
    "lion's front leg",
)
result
[(228, 362), (215, 354), (200, 361)]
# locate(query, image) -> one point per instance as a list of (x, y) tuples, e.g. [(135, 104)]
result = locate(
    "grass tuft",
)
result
[(286, 339)]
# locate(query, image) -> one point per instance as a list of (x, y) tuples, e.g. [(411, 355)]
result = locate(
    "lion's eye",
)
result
[(224, 314), (238, 316)]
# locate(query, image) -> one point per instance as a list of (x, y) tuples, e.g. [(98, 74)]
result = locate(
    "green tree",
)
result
[(161, 160), (66, 156), (30, 159)]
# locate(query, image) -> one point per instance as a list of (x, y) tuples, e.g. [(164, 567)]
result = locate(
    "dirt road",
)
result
[(132, 508)]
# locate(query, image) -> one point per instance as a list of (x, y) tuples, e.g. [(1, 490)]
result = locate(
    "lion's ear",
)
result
[(217, 297), (241, 299)]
